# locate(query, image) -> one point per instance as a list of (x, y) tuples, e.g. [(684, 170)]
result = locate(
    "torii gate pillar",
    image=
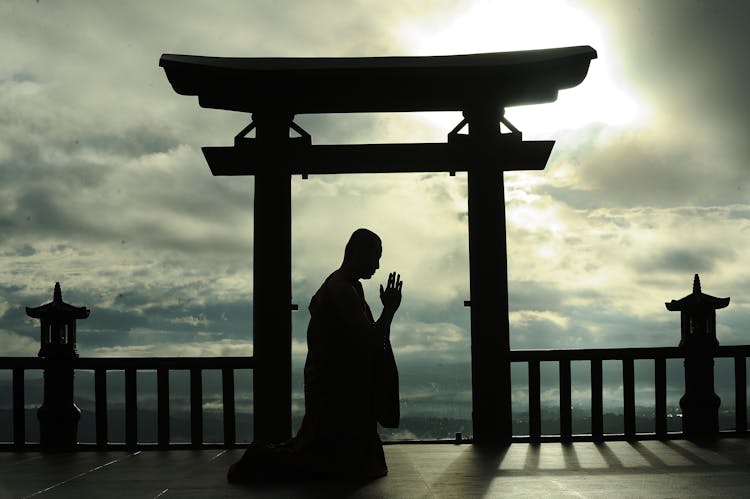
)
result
[(272, 284), (488, 287)]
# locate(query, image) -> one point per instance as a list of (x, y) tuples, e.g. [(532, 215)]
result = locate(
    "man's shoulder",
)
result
[(336, 292), (338, 284), (334, 286)]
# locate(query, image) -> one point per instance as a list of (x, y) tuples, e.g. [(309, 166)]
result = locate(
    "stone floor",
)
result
[(675, 468)]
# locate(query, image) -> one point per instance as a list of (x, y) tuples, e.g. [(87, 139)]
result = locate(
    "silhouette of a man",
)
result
[(351, 380)]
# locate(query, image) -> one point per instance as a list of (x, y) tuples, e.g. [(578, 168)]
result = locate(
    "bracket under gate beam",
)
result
[(453, 133), (243, 133), (461, 124), (510, 126), (303, 134), (301, 131), (457, 128)]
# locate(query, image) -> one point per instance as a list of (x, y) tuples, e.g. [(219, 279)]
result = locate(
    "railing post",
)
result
[(227, 384), (535, 405), (628, 393), (566, 416), (597, 406), (19, 411), (660, 395), (196, 407), (162, 406), (131, 408), (740, 394), (100, 394)]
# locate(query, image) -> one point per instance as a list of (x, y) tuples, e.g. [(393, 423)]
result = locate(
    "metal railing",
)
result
[(227, 365), (162, 366), (627, 356)]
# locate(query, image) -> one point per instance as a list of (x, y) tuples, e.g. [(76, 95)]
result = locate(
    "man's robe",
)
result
[(351, 380), (351, 384)]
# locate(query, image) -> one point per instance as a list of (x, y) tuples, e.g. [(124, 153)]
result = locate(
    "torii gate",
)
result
[(274, 90)]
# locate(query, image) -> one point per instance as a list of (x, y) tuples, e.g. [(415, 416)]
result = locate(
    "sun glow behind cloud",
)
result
[(500, 26), (548, 241)]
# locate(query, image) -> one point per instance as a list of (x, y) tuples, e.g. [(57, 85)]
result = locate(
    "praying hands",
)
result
[(390, 297)]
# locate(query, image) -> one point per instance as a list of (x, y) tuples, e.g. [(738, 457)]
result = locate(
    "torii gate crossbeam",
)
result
[(274, 90)]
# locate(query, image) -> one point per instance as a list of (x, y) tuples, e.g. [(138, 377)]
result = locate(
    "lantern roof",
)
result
[(57, 308), (697, 300), (378, 84)]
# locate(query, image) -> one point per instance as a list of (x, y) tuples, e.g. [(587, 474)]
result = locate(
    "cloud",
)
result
[(661, 46), (18, 345), (650, 166), (103, 186), (686, 260), (446, 342), (221, 348)]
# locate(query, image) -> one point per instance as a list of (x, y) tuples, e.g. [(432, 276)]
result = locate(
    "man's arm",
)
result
[(351, 307)]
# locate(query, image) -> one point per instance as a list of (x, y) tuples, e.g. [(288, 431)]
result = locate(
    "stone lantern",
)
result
[(58, 415), (58, 330), (700, 405)]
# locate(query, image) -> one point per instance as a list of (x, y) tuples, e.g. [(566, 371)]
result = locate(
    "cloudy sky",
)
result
[(103, 186)]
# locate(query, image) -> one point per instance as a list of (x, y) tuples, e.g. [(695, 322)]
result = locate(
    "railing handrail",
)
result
[(640, 353), (596, 354), (114, 363), (139, 363), (733, 351)]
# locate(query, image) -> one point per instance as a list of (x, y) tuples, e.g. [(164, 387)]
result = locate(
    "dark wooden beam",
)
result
[(508, 154)]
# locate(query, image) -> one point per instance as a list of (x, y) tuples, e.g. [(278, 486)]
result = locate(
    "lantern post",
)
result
[(58, 416), (699, 404)]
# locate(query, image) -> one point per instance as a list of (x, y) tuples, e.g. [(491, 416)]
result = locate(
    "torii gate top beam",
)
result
[(378, 84)]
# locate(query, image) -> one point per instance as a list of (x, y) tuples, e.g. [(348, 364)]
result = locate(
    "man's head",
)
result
[(362, 253)]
